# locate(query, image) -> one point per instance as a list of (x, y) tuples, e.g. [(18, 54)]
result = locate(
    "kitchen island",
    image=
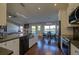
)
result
[(4, 51), (13, 42)]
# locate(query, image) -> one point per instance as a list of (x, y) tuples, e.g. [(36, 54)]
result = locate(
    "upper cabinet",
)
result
[(3, 14)]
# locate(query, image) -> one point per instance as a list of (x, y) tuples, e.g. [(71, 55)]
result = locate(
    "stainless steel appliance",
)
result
[(74, 16), (65, 46)]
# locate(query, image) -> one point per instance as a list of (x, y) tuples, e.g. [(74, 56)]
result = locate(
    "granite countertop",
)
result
[(4, 51), (74, 42), (11, 37)]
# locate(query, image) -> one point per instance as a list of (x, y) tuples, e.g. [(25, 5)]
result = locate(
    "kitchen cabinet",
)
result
[(24, 44), (3, 14), (4, 51), (11, 45), (74, 50), (32, 41)]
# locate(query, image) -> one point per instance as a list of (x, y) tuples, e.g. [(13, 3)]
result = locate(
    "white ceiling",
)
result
[(29, 12)]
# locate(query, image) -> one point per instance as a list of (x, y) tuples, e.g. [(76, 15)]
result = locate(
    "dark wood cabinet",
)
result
[(24, 44), (76, 33)]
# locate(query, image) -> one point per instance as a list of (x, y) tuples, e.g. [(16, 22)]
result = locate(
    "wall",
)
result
[(2, 14), (64, 23), (12, 27)]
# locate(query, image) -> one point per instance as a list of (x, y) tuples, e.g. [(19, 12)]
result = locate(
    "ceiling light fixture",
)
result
[(55, 4), (39, 8)]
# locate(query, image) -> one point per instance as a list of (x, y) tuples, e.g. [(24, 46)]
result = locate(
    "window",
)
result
[(46, 29), (33, 29), (21, 28), (51, 28), (38, 28)]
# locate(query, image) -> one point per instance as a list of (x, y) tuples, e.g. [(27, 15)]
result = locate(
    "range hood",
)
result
[(74, 16)]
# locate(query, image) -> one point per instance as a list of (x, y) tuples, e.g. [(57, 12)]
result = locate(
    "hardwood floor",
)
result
[(45, 47)]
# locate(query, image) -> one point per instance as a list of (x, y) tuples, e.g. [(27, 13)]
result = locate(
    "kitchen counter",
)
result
[(4, 51), (11, 37), (74, 42)]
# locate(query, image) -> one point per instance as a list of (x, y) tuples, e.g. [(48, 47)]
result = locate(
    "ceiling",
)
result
[(22, 13)]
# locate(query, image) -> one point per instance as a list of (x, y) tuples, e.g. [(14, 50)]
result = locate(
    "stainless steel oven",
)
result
[(65, 46)]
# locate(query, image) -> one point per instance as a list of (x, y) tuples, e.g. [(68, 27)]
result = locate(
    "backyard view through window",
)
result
[(51, 28)]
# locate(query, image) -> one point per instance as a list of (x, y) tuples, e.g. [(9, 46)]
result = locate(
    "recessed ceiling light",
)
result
[(39, 8), (9, 16), (55, 4)]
